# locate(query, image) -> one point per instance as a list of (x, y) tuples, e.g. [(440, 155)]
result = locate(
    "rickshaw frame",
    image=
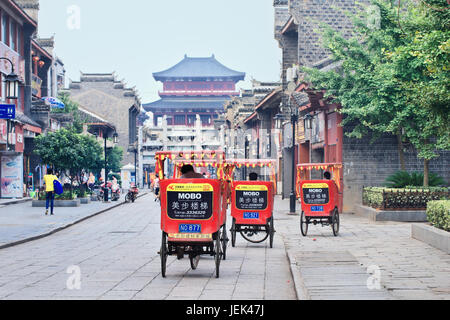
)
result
[(331, 210), (216, 244), (249, 228)]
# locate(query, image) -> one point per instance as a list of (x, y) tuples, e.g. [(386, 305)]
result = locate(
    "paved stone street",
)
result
[(116, 253), (21, 221), (409, 268), (117, 256)]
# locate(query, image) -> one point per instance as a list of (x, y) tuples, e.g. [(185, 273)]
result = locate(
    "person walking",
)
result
[(49, 178), (157, 188)]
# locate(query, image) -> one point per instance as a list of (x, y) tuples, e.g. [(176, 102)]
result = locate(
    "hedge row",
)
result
[(406, 199)]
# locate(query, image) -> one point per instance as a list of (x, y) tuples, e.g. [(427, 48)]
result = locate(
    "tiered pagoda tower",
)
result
[(195, 87)]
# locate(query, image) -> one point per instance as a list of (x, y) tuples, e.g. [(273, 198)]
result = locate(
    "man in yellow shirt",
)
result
[(49, 178)]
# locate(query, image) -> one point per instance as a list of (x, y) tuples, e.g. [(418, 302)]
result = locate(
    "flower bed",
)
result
[(402, 199)]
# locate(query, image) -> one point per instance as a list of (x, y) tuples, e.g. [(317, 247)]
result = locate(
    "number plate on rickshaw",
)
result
[(317, 209), (251, 215), (190, 228)]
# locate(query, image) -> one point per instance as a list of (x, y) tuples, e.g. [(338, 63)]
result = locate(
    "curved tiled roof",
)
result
[(216, 104), (199, 68)]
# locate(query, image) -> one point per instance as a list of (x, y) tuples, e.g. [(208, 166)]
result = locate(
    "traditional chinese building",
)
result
[(110, 98), (195, 86), (194, 94), (320, 136)]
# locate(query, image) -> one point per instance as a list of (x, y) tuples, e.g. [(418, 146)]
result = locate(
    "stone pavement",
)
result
[(325, 267), (6, 202), (116, 253), (20, 222)]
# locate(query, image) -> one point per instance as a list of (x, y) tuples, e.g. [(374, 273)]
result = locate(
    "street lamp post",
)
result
[(105, 140), (293, 198), (105, 192), (279, 119)]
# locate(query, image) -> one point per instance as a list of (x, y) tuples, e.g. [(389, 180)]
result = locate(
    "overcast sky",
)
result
[(138, 37)]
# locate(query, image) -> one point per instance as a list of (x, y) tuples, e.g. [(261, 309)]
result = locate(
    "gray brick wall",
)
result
[(309, 14), (369, 164)]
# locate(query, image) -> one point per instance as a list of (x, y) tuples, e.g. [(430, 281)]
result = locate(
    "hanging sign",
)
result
[(7, 111)]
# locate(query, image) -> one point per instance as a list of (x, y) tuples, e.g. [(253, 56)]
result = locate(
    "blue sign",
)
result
[(251, 215), (190, 228), (7, 111), (54, 102)]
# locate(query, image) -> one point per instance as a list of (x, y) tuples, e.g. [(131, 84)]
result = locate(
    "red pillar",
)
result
[(339, 155), (325, 149)]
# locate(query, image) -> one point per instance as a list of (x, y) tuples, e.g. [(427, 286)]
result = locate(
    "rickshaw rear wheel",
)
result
[(224, 240), (304, 224), (164, 254), (248, 233), (233, 233), (272, 231), (335, 222), (218, 254)]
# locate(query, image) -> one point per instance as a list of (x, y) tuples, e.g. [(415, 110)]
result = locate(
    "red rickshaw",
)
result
[(193, 211), (252, 204), (320, 199)]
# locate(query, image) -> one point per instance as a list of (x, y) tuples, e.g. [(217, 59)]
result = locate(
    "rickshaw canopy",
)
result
[(189, 157), (254, 163), (304, 170)]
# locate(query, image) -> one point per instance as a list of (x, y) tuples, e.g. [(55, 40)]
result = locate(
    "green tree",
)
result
[(422, 68), (115, 157), (71, 107), (381, 85), (68, 151)]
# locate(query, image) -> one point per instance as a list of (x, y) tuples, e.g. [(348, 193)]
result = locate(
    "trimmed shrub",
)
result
[(81, 192), (67, 195), (438, 213), (403, 199)]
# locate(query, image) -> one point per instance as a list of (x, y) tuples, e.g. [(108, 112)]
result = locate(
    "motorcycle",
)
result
[(115, 195), (101, 192), (132, 194)]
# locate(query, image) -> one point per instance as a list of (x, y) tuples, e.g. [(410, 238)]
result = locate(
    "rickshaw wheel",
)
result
[(272, 231), (304, 224), (224, 240), (218, 254), (335, 222), (164, 254), (194, 261), (248, 234), (233, 233)]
